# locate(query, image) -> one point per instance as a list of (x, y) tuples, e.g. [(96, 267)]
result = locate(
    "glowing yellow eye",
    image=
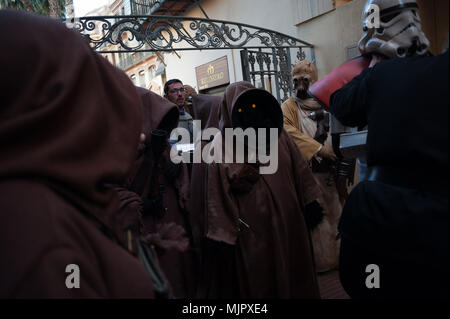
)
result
[(254, 106), (239, 110)]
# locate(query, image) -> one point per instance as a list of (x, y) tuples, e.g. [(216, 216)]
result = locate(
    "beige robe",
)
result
[(324, 237)]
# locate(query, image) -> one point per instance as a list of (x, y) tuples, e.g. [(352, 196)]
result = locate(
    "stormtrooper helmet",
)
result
[(397, 33)]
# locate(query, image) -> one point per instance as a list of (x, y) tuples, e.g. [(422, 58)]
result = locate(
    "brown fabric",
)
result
[(308, 104), (308, 145), (206, 108), (260, 232), (41, 233), (230, 96), (325, 236), (169, 233), (129, 218), (72, 95), (325, 239), (69, 127), (178, 262), (158, 113)]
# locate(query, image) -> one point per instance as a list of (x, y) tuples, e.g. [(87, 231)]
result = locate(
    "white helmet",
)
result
[(399, 33)]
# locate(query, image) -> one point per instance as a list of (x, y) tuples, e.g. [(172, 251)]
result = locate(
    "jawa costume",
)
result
[(158, 190), (69, 128), (256, 241), (310, 134), (398, 218), (205, 108)]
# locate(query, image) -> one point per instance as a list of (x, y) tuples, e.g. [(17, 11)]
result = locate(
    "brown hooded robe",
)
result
[(205, 108), (69, 127), (169, 233), (256, 242)]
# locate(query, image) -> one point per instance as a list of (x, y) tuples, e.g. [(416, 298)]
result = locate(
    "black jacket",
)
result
[(400, 227), (405, 104)]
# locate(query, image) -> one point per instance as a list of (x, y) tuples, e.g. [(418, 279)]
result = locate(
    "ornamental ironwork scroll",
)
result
[(270, 69), (110, 34)]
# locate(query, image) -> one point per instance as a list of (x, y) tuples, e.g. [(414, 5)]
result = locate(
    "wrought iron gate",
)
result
[(266, 54), (269, 70)]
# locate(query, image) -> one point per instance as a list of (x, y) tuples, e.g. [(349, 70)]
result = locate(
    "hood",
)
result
[(157, 112), (245, 106), (206, 108), (69, 119)]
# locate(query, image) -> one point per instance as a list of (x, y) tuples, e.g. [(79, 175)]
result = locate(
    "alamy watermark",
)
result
[(373, 279), (73, 279), (237, 146)]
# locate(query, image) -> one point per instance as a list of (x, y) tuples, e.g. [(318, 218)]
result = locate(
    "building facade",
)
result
[(145, 69), (333, 27)]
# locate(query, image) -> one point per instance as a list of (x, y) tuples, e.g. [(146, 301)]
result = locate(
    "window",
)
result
[(152, 72), (133, 78), (142, 79), (127, 7), (309, 9)]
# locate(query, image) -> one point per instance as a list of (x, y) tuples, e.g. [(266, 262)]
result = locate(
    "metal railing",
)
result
[(163, 33)]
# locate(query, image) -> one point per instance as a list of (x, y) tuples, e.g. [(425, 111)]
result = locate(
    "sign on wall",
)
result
[(213, 74)]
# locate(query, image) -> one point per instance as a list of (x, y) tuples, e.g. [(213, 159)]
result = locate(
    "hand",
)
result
[(327, 152), (141, 142), (375, 59)]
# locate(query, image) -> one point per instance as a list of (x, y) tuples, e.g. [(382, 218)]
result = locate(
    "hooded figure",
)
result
[(69, 128), (256, 243), (303, 120), (205, 108), (156, 196)]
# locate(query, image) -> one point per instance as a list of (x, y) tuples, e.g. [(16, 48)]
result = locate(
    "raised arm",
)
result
[(348, 104)]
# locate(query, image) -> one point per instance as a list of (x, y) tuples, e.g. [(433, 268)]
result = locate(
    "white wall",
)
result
[(330, 33), (277, 15)]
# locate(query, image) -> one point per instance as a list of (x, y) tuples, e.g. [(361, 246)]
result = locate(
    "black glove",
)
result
[(313, 215), (321, 132)]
